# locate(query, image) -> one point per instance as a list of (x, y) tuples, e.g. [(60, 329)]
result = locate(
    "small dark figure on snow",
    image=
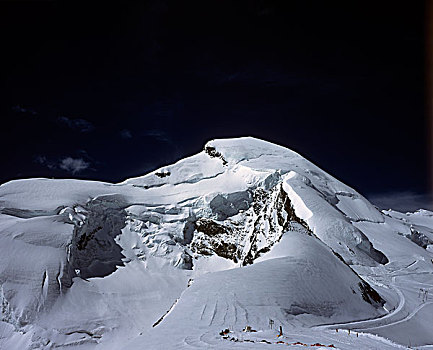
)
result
[(281, 331)]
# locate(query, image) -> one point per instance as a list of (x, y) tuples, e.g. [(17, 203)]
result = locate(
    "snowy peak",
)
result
[(217, 156), (230, 215), (227, 176), (236, 150)]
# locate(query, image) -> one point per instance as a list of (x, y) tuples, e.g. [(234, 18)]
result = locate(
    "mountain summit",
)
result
[(241, 234)]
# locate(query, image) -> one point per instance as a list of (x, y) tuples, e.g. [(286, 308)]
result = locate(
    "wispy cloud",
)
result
[(402, 201), (81, 125), (126, 134), (20, 109), (42, 160), (73, 165), (158, 135)]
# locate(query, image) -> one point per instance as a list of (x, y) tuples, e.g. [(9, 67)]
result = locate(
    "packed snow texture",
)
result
[(244, 233)]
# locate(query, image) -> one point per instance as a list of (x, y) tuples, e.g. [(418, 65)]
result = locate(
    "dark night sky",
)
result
[(112, 91)]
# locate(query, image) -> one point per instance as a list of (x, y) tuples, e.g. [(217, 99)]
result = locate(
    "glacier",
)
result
[(242, 233)]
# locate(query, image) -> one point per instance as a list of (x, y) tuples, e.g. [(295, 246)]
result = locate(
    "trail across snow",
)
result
[(401, 315)]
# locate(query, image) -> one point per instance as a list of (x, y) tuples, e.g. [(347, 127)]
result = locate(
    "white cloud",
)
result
[(73, 165), (402, 201)]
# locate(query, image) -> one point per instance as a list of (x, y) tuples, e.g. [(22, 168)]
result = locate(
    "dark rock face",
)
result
[(370, 295), (419, 238), (272, 214), (211, 228), (86, 237), (215, 242), (212, 152), (284, 204), (265, 205), (163, 174)]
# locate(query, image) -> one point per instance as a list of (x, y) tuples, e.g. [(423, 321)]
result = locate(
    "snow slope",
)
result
[(243, 232), (303, 283)]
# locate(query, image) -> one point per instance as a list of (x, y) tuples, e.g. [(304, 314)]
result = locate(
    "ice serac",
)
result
[(239, 233)]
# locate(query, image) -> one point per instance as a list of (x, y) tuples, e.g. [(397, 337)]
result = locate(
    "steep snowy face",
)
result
[(241, 194), (236, 211)]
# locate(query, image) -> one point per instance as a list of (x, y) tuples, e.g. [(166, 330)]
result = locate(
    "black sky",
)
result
[(109, 92)]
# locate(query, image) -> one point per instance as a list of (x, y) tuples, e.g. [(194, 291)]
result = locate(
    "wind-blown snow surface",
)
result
[(242, 233)]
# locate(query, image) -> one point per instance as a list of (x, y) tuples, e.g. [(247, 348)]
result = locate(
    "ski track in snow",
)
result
[(367, 323), (244, 310), (407, 318), (203, 311), (214, 312), (396, 316)]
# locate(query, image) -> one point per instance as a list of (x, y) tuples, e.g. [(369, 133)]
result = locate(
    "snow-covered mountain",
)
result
[(240, 234)]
